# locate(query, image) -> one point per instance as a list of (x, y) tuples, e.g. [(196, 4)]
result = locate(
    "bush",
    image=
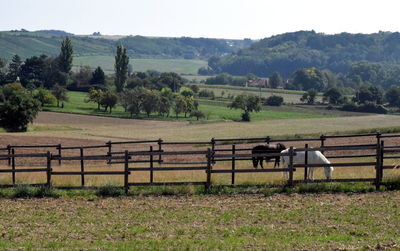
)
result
[(274, 100), (367, 107), (110, 191), (23, 191), (206, 94), (45, 192)]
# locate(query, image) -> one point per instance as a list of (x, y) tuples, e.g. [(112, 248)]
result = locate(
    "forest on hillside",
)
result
[(27, 44), (288, 52)]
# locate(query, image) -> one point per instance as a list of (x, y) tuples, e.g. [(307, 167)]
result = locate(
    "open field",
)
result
[(106, 128), (209, 222), (180, 66)]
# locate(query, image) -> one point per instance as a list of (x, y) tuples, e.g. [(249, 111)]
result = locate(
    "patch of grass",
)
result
[(392, 183), (110, 190), (26, 191)]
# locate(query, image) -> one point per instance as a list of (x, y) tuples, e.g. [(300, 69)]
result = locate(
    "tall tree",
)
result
[(65, 57), (121, 68), (98, 77), (275, 80), (14, 68)]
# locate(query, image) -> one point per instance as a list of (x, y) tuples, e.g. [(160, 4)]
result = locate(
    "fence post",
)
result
[(13, 165), (233, 164), (82, 168), (322, 138), (59, 154), (48, 171), (213, 149), (151, 165), (378, 166), (291, 152), (159, 149), (109, 151), (9, 153), (126, 170), (378, 138), (306, 163), (208, 171)]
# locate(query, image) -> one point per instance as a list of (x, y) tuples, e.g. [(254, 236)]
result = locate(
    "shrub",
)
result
[(23, 191), (45, 192), (206, 94), (274, 100), (367, 107), (109, 191)]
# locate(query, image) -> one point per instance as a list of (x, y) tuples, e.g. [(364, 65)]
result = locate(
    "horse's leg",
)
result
[(261, 163), (328, 172), (310, 173)]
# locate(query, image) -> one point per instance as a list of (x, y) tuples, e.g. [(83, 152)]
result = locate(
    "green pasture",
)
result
[(180, 66), (289, 96), (214, 110)]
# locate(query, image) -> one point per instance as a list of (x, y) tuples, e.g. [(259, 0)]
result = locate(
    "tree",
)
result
[(247, 103), (187, 92), (275, 80), (108, 100), (98, 77), (171, 80), (179, 105), (165, 101), (60, 93), (393, 96), (309, 96), (334, 96), (83, 76), (369, 93), (44, 96), (65, 58), (121, 68), (150, 100), (305, 79), (18, 111), (95, 96), (14, 68), (131, 100)]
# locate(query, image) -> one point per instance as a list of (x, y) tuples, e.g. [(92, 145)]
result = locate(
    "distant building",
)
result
[(259, 82)]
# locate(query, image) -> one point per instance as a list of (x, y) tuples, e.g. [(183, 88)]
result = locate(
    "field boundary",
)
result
[(155, 159)]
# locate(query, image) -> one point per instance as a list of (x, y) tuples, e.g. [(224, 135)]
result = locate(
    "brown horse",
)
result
[(261, 149)]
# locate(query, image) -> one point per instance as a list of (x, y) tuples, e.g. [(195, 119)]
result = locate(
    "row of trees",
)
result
[(142, 100)]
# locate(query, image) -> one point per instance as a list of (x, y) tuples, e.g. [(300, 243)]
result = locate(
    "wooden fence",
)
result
[(154, 159)]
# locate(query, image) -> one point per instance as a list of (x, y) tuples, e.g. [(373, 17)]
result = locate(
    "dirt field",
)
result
[(102, 128)]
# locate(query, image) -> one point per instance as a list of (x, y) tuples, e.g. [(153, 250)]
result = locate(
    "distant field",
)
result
[(180, 66), (289, 96)]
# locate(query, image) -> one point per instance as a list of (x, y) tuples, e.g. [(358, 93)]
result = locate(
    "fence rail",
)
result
[(206, 161)]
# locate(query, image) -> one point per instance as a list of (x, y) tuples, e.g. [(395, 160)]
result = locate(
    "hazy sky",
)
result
[(201, 18)]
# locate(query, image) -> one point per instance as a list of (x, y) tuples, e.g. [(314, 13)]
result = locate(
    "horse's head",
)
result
[(280, 146)]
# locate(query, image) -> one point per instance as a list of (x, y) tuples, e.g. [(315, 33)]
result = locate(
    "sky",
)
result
[(232, 19)]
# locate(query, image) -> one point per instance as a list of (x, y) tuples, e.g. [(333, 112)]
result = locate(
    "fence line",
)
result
[(209, 160)]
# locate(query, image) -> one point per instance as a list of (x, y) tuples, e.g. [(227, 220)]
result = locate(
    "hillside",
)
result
[(288, 52), (27, 44)]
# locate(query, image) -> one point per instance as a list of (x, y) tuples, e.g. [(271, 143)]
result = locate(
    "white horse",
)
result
[(314, 157)]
